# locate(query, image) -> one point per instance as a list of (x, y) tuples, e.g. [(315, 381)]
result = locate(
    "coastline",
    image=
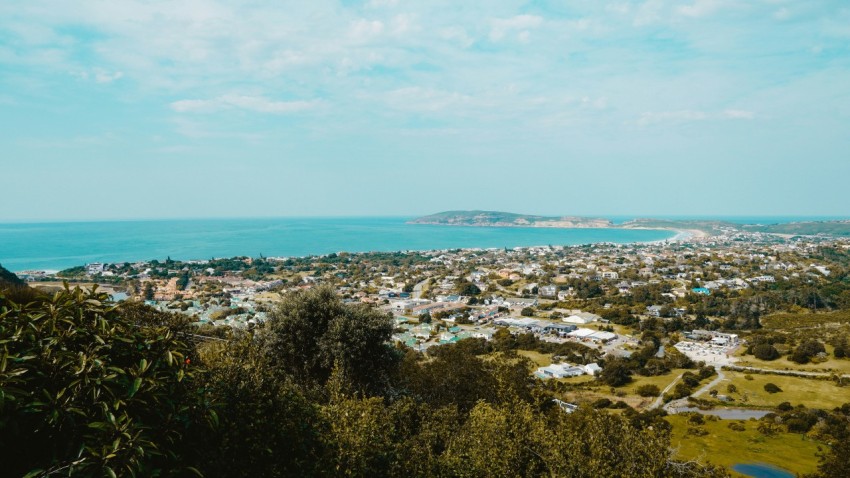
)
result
[(681, 233), (61, 246), (680, 236)]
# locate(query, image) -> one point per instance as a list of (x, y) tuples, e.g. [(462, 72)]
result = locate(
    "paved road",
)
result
[(417, 289)]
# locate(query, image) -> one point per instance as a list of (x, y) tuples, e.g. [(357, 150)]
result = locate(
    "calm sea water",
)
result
[(54, 246)]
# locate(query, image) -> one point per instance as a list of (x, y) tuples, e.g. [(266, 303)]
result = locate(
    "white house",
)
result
[(559, 370)]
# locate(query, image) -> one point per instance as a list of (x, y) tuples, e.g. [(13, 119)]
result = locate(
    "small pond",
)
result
[(761, 470)]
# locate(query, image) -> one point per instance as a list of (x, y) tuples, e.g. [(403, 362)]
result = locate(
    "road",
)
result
[(658, 401), (711, 384), (768, 371), (417, 289)]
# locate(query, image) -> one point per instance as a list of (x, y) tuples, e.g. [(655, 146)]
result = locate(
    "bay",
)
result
[(56, 246)]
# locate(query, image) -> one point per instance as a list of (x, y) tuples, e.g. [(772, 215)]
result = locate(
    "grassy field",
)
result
[(833, 365), (727, 447), (812, 393), (540, 360), (660, 381), (788, 320)]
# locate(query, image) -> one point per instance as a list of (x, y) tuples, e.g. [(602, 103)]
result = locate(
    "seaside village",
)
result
[(556, 294)]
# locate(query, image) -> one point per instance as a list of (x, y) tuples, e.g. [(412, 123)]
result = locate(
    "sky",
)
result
[(123, 109)]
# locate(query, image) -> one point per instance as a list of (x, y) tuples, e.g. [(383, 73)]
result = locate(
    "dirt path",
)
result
[(658, 401)]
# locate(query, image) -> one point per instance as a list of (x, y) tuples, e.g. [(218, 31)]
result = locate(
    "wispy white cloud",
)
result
[(700, 8), (520, 24), (739, 114), (689, 116), (251, 103)]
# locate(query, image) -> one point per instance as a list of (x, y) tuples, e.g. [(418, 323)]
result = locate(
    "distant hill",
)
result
[(507, 219), (707, 226), (7, 278), (808, 228)]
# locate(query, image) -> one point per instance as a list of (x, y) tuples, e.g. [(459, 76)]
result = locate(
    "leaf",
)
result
[(135, 387), (194, 470), (109, 472)]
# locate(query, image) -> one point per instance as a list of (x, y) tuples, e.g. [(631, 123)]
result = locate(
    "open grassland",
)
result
[(833, 365), (539, 359), (726, 447), (788, 320), (661, 380), (813, 393)]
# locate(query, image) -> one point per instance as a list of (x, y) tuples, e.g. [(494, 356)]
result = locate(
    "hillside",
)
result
[(8, 278), (808, 228), (507, 219)]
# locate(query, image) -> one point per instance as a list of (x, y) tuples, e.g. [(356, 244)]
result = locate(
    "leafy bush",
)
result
[(771, 388), (95, 389), (765, 352), (648, 390), (737, 426)]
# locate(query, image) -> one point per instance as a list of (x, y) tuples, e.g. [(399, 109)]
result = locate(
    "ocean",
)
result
[(56, 246)]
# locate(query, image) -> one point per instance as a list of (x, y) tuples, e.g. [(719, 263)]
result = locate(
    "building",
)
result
[(548, 291), (581, 318), (560, 370)]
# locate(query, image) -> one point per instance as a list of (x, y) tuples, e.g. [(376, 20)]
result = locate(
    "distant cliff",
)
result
[(507, 219)]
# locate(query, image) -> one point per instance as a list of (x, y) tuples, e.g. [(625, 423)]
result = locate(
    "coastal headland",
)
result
[(692, 229)]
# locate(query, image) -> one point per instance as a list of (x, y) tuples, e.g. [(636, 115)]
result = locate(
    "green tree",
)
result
[(312, 332), (615, 373), (765, 352)]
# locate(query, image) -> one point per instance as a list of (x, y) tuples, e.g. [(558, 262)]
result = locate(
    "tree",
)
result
[(312, 332), (648, 390), (765, 352), (615, 373), (261, 415), (806, 350), (149, 292), (527, 312), (771, 388), (468, 288)]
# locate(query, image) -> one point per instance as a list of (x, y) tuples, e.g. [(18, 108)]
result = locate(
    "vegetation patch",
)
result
[(727, 443)]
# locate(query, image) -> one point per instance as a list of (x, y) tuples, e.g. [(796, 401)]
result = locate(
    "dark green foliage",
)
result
[(316, 391), (9, 279), (183, 281), (806, 350), (313, 332), (772, 388), (616, 373), (86, 388), (648, 390), (261, 416), (765, 352), (468, 288)]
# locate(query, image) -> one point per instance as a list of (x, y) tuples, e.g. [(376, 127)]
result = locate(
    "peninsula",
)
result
[(694, 227)]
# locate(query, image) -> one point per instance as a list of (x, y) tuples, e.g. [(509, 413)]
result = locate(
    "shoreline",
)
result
[(679, 236)]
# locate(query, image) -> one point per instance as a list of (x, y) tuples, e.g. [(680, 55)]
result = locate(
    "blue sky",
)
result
[(212, 108)]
